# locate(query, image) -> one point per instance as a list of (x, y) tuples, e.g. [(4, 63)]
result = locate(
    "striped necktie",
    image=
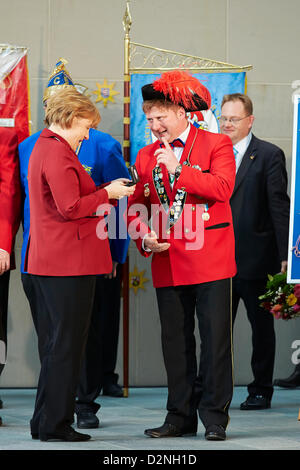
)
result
[(236, 152)]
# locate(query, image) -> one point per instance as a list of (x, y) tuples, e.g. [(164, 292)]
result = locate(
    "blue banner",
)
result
[(219, 84), (293, 273)]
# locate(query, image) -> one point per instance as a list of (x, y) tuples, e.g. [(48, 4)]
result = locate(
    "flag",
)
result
[(219, 84), (14, 90), (293, 272)]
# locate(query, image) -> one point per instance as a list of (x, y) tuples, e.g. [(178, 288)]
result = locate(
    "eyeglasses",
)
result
[(234, 121)]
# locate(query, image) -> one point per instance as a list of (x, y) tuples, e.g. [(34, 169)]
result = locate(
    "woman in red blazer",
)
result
[(64, 255)]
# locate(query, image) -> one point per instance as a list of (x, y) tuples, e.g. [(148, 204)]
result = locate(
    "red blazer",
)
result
[(10, 191), (63, 222), (201, 250)]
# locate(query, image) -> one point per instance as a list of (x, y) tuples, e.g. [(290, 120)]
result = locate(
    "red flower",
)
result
[(266, 305), (277, 314), (296, 308), (297, 291)]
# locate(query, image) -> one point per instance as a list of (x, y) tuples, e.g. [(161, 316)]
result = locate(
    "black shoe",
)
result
[(292, 381), (68, 436), (169, 430), (87, 420), (256, 402), (113, 390), (215, 432), (1, 403), (1, 421)]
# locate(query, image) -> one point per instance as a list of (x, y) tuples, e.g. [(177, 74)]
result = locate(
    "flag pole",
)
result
[(126, 153)]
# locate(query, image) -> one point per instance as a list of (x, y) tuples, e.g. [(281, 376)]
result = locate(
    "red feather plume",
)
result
[(181, 88)]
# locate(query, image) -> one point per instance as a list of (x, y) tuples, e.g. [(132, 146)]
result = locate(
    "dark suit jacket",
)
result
[(260, 210)]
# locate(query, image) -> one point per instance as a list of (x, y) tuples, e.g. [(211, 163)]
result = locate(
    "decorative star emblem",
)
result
[(105, 92), (137, 280)]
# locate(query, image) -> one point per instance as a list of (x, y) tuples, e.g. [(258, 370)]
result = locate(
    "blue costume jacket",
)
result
[(101, 156)]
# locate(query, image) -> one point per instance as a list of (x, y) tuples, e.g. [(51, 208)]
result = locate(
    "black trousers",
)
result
[(100, 357), (263, 334), (4, 285), (210, 389), (36, 304), (62, 310)]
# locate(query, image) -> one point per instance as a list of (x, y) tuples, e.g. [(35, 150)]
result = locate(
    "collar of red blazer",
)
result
[(46, 133)]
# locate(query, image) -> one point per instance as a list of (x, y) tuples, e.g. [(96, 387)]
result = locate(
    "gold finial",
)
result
[(127, 19)]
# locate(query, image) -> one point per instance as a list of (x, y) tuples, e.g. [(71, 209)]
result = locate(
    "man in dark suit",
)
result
[(260, 210), (10, 202)]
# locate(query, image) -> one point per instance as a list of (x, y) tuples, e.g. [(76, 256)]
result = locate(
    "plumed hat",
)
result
[(180, 88), (59, 79)]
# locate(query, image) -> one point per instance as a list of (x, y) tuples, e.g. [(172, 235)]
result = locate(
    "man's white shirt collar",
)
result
[(183, 137), (185, 134)]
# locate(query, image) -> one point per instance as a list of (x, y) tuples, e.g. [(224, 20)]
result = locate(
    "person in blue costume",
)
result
[(101, 156)]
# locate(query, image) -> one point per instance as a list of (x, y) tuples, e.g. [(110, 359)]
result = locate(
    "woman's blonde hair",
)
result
[(65, 105)]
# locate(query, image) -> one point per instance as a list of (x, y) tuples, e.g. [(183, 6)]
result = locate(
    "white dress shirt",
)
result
[(183, 137), (240, 149), (178, 152)]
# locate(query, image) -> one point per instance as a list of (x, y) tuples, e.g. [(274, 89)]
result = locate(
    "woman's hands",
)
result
[(118, 189)]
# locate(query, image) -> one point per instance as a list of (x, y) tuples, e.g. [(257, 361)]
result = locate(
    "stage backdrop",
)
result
[(219, 84), (293, 274)]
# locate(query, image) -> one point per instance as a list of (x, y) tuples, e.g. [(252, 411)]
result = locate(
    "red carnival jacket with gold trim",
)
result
[(10, 190), (194, 216)]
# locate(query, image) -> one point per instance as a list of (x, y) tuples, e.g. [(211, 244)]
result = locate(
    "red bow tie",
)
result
[(175, 143)]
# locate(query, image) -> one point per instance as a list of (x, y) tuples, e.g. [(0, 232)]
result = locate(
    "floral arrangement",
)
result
[(282, 300)]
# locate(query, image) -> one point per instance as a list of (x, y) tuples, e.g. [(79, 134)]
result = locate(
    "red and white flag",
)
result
[(14, 90)]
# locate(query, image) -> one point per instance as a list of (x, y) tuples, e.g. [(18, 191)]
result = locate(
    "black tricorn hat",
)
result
[(180, 88)]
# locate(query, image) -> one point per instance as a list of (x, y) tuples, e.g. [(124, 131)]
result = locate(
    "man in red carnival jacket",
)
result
[(10, 201), (186, 179)]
